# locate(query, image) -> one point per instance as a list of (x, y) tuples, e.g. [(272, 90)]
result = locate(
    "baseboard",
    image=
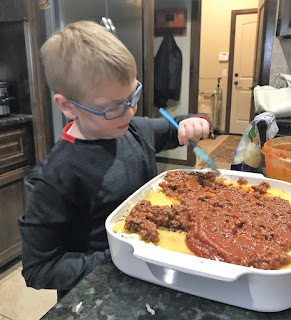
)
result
[(176, 161)]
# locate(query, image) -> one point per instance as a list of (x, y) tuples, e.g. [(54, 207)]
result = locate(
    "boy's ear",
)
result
[(65, 106)]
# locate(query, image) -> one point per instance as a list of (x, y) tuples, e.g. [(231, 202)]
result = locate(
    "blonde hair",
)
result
[(82, 54)]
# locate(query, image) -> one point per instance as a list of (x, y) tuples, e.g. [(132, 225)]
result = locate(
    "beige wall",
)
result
[(215, 37)]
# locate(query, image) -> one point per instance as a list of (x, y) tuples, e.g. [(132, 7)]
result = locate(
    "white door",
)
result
[(243, 66)]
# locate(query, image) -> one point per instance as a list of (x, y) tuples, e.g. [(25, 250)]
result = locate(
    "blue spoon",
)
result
[(199, 152)]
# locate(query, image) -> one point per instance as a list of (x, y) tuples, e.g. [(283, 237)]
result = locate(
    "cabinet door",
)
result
[(11, 207), (12, 10)]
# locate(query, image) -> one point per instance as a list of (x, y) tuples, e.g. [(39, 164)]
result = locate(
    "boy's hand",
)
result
[(193, 129)]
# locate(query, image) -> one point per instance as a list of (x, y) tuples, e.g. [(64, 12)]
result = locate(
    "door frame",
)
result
[(148, 9), (234, 14), (148, 13), (39, 103)]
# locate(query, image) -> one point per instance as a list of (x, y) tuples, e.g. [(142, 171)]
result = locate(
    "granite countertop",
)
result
[(109, 294), (12, 119)]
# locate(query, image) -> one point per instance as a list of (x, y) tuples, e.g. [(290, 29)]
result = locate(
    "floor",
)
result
[(208, 145), (17, 302)]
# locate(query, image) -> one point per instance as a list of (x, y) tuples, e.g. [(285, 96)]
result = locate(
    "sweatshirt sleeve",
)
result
[(165, 135), (47, 260)]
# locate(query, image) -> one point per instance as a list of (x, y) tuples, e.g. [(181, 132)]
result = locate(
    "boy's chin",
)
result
[(122, 130), (120, 134), (116, 134)]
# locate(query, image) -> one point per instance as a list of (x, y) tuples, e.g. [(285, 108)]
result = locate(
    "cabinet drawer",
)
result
[(16, 148)]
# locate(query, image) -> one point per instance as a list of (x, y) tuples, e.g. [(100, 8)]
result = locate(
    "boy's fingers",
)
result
[(205, 129), (197, 132), (201, 130), (193, 130), (182, 136), (189, 131)]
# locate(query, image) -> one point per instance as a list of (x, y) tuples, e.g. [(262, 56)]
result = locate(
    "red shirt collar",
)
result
[(66, 136)]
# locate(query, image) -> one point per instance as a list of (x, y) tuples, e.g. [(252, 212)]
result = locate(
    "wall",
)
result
[(178, 107), (281, 58), (215, 37)]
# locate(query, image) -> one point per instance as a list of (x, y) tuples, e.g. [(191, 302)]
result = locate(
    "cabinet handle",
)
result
[(112, 27), (104, 22)]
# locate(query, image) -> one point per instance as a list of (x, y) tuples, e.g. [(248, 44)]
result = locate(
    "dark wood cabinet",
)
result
[(25, 134), (12, 204), (16, 157), (284, 19), (17, 148)]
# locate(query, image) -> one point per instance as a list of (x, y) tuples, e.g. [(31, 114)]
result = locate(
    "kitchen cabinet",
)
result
[(284, 19), (16, 145), (10, 244), (17, 156), (25, 133)]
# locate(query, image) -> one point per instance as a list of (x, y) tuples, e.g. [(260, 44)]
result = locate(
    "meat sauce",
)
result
[(238, 225)]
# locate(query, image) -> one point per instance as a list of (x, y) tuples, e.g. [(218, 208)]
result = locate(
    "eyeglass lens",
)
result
[(115, 112), (121, 109)]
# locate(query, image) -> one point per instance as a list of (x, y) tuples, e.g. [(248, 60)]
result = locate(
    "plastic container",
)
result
[(277, 153)]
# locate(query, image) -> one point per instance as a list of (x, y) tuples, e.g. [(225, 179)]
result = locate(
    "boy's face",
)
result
[(106, 94)]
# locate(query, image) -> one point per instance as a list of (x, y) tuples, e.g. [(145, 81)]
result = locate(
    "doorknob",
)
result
[(236, 82)]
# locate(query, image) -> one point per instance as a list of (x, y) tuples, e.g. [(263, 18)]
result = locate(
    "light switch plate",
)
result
[(223, 56)]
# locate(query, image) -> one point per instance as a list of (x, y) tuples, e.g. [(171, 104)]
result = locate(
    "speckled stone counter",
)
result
[(109, 294), (13, 119)]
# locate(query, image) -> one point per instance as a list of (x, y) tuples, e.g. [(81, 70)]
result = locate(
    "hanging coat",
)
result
[(167, 73)]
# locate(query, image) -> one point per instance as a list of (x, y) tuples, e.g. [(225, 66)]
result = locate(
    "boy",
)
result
[(104, 155)]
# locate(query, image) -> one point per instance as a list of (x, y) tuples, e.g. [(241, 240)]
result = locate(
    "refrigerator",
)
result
[(121, 17)]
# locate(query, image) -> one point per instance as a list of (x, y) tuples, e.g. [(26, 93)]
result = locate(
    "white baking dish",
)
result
[(255, 289)]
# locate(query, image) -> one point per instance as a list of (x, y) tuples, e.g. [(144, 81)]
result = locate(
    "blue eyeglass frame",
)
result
[(126, 104)]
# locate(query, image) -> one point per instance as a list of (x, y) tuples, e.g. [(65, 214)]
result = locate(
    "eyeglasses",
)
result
[(116, 110)]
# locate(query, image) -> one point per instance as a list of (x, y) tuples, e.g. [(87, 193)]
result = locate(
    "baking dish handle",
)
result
[(189, 264)]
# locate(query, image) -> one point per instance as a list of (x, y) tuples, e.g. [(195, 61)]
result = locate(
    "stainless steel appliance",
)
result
[(121, 17), (5, 98)]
